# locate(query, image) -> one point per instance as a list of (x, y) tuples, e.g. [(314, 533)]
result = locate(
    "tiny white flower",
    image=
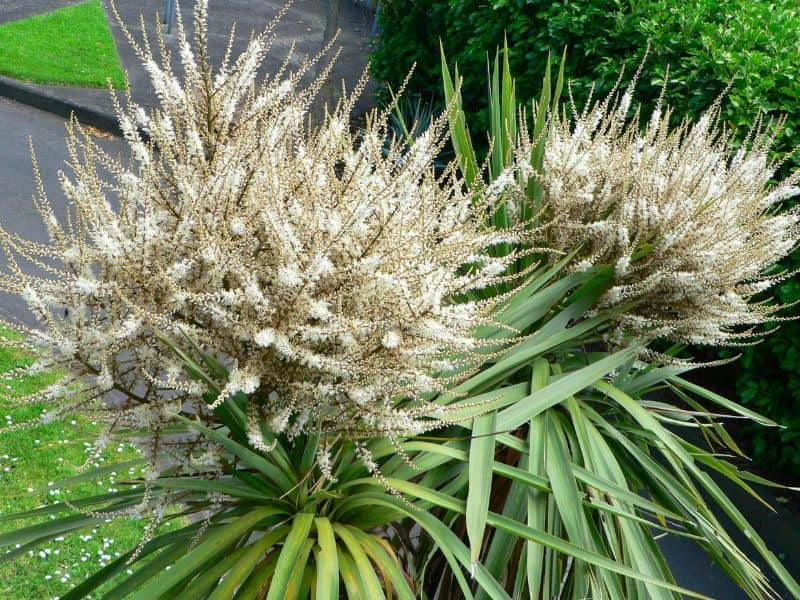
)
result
[(391, 340), (265, 338), (289, 276)]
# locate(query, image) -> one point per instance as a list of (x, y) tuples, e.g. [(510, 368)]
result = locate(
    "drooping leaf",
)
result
[(213, 543)]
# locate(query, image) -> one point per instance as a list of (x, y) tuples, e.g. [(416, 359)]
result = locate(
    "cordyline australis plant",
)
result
[(692, 227), (274, 311), (260, 304), (630, 453)]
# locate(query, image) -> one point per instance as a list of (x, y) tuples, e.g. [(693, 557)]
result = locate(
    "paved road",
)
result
[(307, 26), (17, 213)]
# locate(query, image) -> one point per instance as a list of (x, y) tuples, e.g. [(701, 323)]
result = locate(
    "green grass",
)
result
[(68, 46), (31, 462)]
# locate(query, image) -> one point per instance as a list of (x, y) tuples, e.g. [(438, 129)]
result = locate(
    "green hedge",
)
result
[(706, 43), (753, 45)]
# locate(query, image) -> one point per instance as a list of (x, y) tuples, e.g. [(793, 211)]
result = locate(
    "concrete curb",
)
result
[(25, 93)]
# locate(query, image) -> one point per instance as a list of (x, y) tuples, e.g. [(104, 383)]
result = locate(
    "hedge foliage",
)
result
[(707, 45)]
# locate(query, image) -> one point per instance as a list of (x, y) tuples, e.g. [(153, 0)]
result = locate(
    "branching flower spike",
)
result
[(691, 225), (330, 277)]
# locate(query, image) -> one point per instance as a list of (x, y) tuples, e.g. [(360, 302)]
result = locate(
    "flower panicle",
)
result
[(691, 224), (321, 270)]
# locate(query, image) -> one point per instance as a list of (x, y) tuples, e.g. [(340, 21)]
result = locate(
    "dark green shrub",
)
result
[(769, 382), (707, 44)]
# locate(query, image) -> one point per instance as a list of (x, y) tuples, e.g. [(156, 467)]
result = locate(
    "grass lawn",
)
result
[(69, 46), (31, 461)]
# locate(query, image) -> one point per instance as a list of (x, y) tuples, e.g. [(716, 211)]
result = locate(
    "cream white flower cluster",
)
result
[(333, 279), (690, 225)]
